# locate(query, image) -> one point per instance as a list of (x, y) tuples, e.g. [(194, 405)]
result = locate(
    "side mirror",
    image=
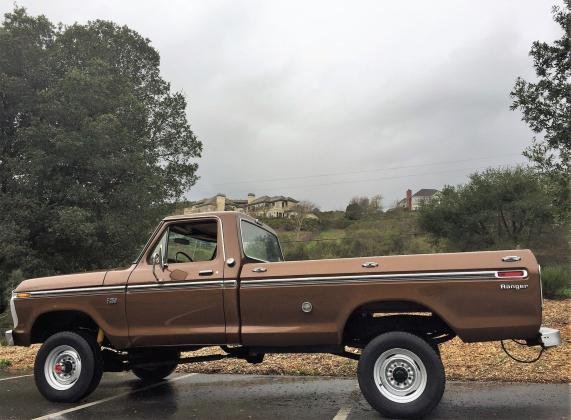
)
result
[(157, 258)]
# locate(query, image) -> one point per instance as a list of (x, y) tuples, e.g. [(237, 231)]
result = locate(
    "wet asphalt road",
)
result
[(121, 395)]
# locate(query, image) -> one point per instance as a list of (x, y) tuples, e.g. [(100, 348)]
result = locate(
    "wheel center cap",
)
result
[(59, 368), (400, 374), (63, 368)]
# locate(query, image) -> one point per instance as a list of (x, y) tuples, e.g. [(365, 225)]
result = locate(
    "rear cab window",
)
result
[(259, 244)]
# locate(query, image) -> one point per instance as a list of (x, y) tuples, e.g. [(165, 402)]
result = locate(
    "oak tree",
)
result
[(94, 144), (546, 107)]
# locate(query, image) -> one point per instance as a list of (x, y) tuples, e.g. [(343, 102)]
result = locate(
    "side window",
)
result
[(188, 242), (192, 241), (259, 243)]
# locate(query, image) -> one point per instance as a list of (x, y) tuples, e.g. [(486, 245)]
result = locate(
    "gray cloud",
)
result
[(305, 89)]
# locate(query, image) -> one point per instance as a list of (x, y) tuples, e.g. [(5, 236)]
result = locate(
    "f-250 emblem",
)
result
[(111, 301)]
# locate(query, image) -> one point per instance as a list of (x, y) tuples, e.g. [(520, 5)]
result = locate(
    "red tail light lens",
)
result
[(515, 273)]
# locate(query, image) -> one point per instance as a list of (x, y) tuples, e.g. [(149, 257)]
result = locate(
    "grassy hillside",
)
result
[(334, 235)]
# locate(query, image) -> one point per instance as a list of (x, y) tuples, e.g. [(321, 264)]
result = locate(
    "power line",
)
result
[(374, 179), (257, 181)]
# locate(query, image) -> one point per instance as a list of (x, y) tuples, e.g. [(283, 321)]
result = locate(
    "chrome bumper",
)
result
[(9, 337), (549, 337)]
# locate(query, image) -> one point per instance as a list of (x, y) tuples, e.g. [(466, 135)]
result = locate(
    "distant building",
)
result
[(217, 203), (277, 206), (412, 201)]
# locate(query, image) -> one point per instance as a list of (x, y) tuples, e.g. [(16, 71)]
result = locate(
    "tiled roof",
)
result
[(266, 199), (241, 202), (205, 201), (425, 192)]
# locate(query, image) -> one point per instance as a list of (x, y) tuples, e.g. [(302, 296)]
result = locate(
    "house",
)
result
[(413, 201), (277, 206), (217, 203)]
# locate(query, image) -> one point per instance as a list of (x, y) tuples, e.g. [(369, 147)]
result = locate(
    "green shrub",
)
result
[(4, 364), (556, 281)]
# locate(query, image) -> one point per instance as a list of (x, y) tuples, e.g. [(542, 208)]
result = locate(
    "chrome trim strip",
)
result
[(458, 275), (13, 311), (122, 288), (75, 290), (189, 284), (230, 283)]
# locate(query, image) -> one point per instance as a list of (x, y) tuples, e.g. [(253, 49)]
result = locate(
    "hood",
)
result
[(89, 279)]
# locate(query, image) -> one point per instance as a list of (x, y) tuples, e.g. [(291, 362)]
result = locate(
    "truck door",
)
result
[(185, 304)]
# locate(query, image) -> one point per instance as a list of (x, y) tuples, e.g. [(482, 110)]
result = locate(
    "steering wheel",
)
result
[(183, 253)]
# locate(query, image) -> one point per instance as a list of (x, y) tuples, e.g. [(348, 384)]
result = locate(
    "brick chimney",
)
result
[(409, 199)]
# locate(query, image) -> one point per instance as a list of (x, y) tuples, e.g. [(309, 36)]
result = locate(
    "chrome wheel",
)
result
[(400, 375), (62, 367)]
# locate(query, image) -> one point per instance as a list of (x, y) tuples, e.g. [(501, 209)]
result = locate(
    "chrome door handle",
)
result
[(259, 269), (205, 272), (369, 265)]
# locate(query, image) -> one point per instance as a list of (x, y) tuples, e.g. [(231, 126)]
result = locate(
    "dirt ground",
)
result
[(477, 361)]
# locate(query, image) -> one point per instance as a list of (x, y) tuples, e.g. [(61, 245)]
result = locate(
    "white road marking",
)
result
[(15, 377), (343, 413), (114, 397)]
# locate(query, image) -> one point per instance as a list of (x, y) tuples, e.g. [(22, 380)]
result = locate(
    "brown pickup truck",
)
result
[(219, 279)]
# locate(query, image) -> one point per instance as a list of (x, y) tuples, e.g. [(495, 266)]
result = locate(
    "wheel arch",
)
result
[(51, 322), (369, 319)]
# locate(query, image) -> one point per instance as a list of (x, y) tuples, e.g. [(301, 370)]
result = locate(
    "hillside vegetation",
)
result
[(334, 235), (397, 232), (496, 209)]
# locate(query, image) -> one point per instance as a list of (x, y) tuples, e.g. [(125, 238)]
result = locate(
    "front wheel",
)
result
[(401, 375), (68, 367)]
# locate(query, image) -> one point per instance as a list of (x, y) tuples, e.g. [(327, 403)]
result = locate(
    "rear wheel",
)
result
[(155, 365), (68, 367), (401, 375)]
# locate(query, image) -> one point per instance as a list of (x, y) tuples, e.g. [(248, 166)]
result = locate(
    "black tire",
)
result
[(80, 348), (405, 363), (100, 365), (156, 369)]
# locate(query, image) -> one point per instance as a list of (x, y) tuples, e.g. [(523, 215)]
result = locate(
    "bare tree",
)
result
[(360, 207), (300, 212)]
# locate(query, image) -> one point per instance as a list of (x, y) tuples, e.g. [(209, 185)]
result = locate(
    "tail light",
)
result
[(518, 274)]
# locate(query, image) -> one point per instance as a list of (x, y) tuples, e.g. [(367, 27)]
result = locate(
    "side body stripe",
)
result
[(290, 281)]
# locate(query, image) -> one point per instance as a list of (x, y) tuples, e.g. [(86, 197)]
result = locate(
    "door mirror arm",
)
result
[(158, 259)]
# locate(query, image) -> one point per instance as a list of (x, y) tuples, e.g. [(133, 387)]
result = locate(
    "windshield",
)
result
[(260, 244)]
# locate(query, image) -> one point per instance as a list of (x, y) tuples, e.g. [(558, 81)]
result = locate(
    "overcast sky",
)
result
[(326, 100)]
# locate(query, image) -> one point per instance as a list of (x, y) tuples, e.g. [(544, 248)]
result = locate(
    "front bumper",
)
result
[(9, 337), (549, 337)]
